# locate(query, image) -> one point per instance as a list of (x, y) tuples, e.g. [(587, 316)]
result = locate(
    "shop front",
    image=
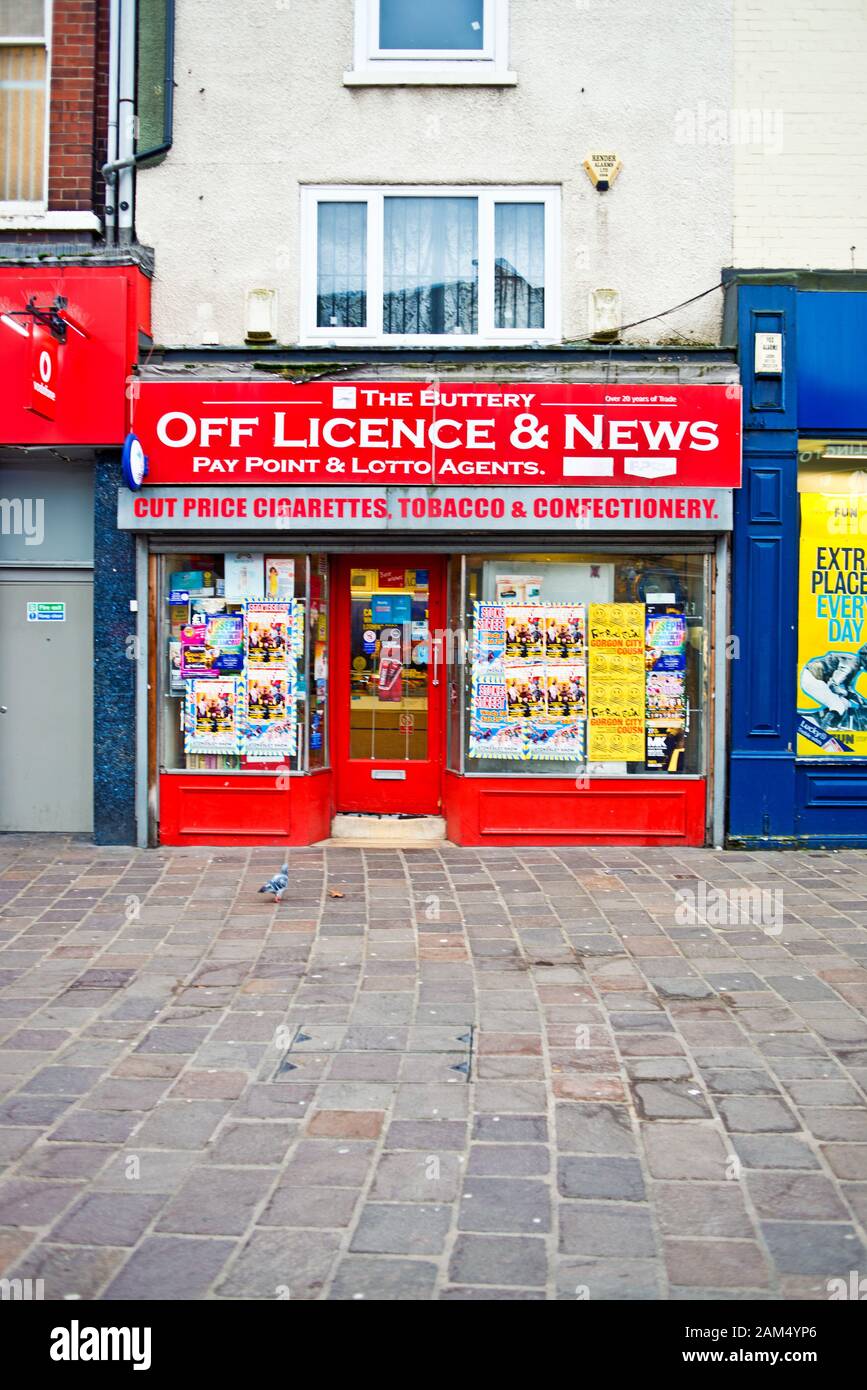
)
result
[(504, 607), (799, 693)]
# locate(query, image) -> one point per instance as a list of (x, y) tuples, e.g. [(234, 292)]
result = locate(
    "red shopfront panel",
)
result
[(507, 811), (243, 810)]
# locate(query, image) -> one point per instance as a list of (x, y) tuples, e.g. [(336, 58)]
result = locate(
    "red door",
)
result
[(388, 683)]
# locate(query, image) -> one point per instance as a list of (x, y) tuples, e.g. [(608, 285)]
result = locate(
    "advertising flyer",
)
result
[(269, 629), (274, 636), (616, 676), (832, 634), (666, 747), (212, 648), (244, 577), (666, 695), (525, 632), (279, 577), (214, 716), (529, 706)]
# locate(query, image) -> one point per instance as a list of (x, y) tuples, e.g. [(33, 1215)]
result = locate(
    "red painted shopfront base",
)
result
[(245, 810), (515, 811), (197, 810)]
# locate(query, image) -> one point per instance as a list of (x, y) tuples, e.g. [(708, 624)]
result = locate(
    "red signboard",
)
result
[(106, 308), (44, 364), (444, 433)]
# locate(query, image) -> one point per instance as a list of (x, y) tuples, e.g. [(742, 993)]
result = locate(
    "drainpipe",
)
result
[(126, 121), (111, 148)]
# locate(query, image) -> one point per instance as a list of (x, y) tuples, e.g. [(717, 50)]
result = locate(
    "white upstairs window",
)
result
[(24, 30), (424, 266), (435, 42)]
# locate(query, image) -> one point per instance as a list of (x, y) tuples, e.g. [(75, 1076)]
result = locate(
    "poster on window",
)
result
[(666, 747), (616, 676), (270, 633), (279, 577), (529, 691), (244, 576), (214, 716), (525, 631), (832, 634)]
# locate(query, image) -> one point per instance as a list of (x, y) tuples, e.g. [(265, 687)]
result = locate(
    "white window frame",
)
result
[(488, 195), (29, 208), (486, 66)]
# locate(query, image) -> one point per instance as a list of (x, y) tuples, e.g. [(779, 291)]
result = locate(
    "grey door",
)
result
[(46, 695)]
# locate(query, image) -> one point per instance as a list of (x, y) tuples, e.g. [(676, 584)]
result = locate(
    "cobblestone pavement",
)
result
[(519, 1074)]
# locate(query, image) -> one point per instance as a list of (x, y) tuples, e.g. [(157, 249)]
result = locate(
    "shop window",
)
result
[(831, 690), (582, 665), (420, 265), (450, 41), (23, 107), (243, 661)]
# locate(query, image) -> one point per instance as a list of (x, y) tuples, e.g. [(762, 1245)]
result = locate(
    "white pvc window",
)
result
[(428, 41), (430, 264), (24, 68)]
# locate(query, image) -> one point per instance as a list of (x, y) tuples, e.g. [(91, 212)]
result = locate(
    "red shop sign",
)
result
[(44, 370), (436, 433)]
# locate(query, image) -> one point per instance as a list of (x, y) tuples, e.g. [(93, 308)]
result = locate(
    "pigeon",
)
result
[(278, 884)]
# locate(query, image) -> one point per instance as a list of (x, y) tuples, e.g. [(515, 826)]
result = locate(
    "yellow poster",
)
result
[(832, 634), (616, 680)]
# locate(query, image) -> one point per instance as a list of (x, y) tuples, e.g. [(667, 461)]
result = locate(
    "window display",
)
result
[(239, 657), (832, 602), (590, 665)]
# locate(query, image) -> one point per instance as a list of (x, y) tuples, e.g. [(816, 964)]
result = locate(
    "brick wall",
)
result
[(800, 178), (78, 71)]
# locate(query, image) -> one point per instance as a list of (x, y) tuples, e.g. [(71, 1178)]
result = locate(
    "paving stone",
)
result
[(599, 1279), (416, 1177), (170, 1267), (702, 1209), (511, 1129), (825, 1122), (670, 1100), (509, 1160), (364, 1277), (345, 1124), (30, 1203), (762, 1115), (739, 1082), (251, 1142), (401, 1229), (216, 1201), (773, 1151), (718, 1264), (684, 1151), (507, 1260), (813, 1247), (70, 1272), (504, 1204), (101, 1126), (271, 1262), (430, 1135), (343, 1163), (619, 1179), (310, 1206), (803, 1196), (594, 1128), (606, 1228), (179, 1124), (107, 1218)]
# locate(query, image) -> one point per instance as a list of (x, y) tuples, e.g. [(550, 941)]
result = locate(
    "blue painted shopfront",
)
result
[(774, 797)]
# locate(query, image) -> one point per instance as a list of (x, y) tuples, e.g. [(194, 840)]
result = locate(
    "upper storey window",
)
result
[(449, 42)]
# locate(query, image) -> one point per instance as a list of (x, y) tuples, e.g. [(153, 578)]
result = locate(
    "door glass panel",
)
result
[(388, 659)]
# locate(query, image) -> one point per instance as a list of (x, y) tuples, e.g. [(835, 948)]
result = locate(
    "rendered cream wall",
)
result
[(260, 108), (801, 191)]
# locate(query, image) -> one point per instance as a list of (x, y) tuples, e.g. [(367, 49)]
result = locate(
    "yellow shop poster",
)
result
[(615, 671), (832, 634)]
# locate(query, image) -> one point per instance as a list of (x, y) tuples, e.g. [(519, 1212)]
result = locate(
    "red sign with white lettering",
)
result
[(44, 370), (439, 433)]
